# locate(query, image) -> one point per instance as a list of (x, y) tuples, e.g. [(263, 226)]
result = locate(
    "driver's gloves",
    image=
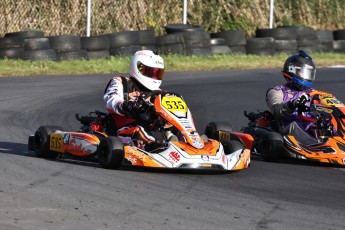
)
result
[(299, 102), (127, 107)]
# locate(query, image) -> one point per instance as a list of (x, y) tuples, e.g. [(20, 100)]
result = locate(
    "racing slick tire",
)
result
[(271, 149), (110, 152), (232, 146), (211, 130), (41, 142)]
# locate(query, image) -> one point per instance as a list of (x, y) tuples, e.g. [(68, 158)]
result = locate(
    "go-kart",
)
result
[(157, 112), (328, 130)]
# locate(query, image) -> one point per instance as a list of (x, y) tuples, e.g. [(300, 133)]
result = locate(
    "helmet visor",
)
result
[(306, 72), (151, 72)]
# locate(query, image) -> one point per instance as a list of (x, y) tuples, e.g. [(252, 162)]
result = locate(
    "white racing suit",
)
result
[(119, 89)]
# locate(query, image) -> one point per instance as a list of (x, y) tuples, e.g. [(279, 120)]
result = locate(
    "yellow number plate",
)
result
[(331, 101), (56, 143), (174, 104)]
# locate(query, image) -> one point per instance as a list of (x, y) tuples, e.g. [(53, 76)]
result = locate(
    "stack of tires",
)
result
[(188, 40), (181, 39), (325, 40), (234, 39), (339, 41), (306, 39), (97, 47), (126, 43), (67, 47), (281, 39), (11, 47), (170, 44), (219, 46), (290, 39), (27, 45), (261, 46)]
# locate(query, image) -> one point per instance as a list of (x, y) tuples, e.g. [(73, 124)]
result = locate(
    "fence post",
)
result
[(88, 18), (271, 13), (184, 11)]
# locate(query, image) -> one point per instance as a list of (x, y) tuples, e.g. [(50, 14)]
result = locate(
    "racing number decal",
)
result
[(223, 136), (331, 101), (56, 143), (174, 104)]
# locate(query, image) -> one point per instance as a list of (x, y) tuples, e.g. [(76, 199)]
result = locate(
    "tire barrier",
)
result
[(325, 38), (219, 46), (97, 47), (234, 39), (189, 40), (339, 46), (170, 44), (261, 46), (339, 34), (36, 44), (180, 39)]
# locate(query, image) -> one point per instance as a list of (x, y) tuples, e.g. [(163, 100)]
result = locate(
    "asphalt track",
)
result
[(69, 194)]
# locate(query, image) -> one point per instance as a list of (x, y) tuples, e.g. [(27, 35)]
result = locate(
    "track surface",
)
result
[(68, 194)]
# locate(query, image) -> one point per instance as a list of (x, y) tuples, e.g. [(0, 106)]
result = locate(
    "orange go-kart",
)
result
[(160, 113), (328, 129)]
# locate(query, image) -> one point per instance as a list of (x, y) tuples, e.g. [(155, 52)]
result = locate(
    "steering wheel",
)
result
[(143, 109)]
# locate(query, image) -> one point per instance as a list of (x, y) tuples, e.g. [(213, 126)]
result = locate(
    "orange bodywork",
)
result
[(138, 158), (210, 148), (337, 156), (161, 110), (78, 144), (245, 138), (244, 161), (331, 149)]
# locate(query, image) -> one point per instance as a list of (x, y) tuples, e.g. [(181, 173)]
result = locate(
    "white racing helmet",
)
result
[(147, 68)]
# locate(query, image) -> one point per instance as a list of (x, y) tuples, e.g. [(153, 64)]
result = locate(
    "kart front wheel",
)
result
[(42, 141), (232, 146), (213, 128), (270, 150), (110, 152)]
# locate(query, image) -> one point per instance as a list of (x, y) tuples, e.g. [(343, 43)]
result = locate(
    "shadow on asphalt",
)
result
[(20, 149)]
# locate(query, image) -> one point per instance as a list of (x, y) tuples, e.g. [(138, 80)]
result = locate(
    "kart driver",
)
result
[(146, 75), (284, 100)]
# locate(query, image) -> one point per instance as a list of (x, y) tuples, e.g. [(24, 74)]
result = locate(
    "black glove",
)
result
[(128, 107), (299, 102)]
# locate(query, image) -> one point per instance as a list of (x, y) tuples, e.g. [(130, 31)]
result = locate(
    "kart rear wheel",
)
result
[(270, 150), (211, 130), (110, 152), (231, 146), (42, 139)]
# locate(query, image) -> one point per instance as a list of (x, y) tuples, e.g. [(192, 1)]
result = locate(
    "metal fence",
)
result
[(58, 17)]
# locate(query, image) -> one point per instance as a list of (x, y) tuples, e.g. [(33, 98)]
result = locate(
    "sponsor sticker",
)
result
[(205, 157), (174, 157), (137, 154), (224, 159), (66, 138), (132, 160)]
